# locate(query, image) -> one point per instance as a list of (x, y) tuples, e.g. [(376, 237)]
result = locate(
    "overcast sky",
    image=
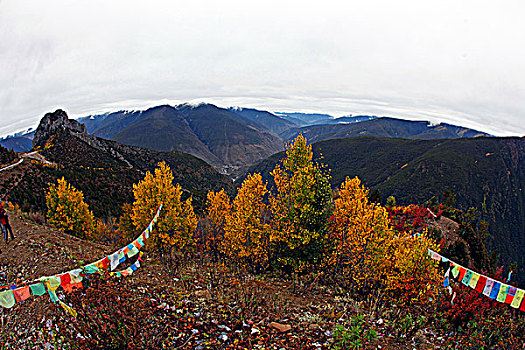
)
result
[(461, 62)]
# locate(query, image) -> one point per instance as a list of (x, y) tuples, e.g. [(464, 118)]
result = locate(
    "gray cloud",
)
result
[(456, 62)]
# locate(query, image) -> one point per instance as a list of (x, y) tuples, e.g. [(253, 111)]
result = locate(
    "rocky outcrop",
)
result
[(57, 122)]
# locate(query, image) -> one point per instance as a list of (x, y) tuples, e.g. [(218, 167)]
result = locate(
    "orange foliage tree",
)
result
[(67, 211), (367, 251), (406, 270), (246, 231), (359, 232), (218, 207), (177, 221), (301, 204)]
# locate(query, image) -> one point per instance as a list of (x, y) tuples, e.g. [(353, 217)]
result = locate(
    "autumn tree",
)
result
[(127, 229), (246, 230), (368, 251), (177, 221), (301, 204), (67, 211), (360, 231), (406, 271), (218, 207)]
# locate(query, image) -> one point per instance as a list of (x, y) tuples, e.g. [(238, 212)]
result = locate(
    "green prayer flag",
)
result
[(455, 271), (467, 277), (52, 295), (516, 302), (90, 269), (132, 252), (38, 289)]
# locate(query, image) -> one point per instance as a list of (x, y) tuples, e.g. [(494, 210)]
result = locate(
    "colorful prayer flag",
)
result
[(488, 287), (502, 295), (21, 293), (495, 290), (69, 309), (38, 289), (511, 292), (65, 279), (7, 299), (455, 271), (481, 284), (474, 280), (132, 251), (467, 277), (462, 272)]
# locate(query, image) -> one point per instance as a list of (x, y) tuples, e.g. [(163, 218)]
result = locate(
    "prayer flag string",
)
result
[(70, 280), (485, 285)]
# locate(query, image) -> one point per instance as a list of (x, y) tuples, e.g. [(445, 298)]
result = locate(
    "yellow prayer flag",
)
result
[(502, 295), (474, 280), (69, 309), (520, 293)]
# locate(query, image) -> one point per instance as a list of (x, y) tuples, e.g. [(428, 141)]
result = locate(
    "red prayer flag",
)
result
[(481, 284), (511, 292), (462, 272), (65, 279), (21, 294), (72, 286)]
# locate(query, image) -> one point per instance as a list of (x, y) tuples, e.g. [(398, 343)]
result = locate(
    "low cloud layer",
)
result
[(443, 61)]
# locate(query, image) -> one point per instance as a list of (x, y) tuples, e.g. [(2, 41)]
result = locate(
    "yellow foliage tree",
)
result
[(218, 206), (246, 232), (177, 221), (127, 229), (360, 231), (301, 205), (406, 270), (367, 250), (67, 211)]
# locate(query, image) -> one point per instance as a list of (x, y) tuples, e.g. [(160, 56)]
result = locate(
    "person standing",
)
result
[(4, 218)]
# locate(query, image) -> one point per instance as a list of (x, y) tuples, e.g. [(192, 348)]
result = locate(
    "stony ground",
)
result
[(198, 307)]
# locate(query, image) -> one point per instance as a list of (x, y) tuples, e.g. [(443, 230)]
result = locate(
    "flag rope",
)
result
[(13, 293), (490, 287)]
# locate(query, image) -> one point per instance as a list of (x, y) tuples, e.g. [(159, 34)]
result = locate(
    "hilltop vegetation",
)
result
[(6, 156), (484, 173)]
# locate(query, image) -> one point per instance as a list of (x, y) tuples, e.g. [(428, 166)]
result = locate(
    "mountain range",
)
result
[(103, 155), (234, 138), (103, 170)]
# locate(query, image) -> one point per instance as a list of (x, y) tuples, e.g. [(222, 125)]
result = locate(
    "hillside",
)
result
[(221, 137), (6, 156), (18, 143), (237, 141), (382, 127), (204, 303), (104, 170), (163, 128), (270, 121), (481, 170)]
